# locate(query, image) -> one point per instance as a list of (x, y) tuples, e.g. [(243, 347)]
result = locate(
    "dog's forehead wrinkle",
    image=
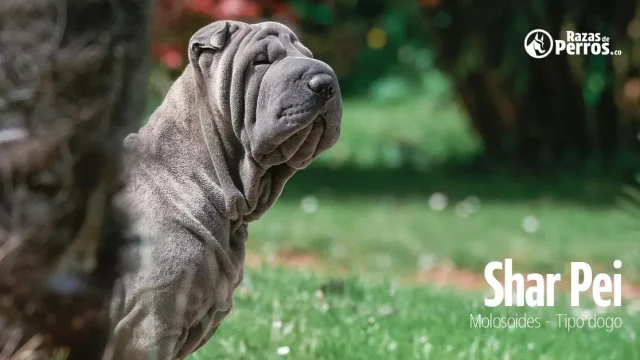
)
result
[(282, 33), (293, 51), (263, 33), (243, 36)]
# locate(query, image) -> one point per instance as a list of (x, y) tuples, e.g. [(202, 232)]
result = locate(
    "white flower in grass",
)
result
[(284, 350), (493, 343), (631, 334), (468, 206), (324, 307), (288, 329), (392, 346), (438, 201), (530, 224), (473, 201), (385, 310), (309, 204), (633, 308), (276, 324), (427, 349), (427, 261)]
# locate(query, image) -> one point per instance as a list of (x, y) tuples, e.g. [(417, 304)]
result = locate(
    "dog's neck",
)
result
[(192, 142)]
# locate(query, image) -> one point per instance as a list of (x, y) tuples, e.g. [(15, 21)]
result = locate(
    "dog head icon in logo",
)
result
[(538, 44)]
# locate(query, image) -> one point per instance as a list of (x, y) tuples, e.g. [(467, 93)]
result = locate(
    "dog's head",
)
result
[(284, 105)]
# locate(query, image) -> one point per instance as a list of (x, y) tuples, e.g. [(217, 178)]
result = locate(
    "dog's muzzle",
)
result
[(301, 115)]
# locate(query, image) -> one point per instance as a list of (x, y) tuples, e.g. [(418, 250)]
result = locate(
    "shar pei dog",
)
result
[(252, 107)]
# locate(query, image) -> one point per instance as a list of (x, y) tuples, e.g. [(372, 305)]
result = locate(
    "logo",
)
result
[(538, 43)]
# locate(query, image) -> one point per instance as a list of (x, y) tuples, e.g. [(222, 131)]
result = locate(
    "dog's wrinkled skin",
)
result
[(251, 108)]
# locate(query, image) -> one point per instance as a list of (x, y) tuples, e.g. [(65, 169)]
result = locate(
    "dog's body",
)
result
[(250, 109)]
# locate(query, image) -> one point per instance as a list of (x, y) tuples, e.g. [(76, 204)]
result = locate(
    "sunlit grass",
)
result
[(284, 314)]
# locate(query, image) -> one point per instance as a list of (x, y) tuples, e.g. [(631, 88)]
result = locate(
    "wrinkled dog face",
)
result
[(285, 106)]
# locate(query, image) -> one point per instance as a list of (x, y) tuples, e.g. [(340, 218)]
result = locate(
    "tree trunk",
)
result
[(72, 84)]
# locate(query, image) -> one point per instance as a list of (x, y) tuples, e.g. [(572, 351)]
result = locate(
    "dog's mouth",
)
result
[(307, 151), (296, 112), (299, 149)]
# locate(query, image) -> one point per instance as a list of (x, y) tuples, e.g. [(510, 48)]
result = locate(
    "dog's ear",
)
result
[(211, 37)]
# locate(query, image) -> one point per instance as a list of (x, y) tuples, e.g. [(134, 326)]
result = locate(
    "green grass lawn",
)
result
[(279, 311)]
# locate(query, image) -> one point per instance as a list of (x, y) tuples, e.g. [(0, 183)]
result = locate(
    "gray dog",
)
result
[(251, 108)]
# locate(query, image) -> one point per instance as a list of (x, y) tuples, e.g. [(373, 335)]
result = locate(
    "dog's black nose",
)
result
[(323, 84)]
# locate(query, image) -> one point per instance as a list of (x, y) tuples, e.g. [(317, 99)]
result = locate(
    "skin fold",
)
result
[(251, 108)]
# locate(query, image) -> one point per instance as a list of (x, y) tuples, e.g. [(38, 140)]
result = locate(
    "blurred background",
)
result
[(457, 149)]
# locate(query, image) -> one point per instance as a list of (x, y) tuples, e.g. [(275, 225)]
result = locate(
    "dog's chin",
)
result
[(299, 149), (307, 151)]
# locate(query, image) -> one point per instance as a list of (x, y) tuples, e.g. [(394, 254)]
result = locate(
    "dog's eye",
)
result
[(261, 60)]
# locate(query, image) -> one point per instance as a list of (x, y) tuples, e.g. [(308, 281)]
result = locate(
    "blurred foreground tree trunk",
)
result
[(554, 112), (72, 84)]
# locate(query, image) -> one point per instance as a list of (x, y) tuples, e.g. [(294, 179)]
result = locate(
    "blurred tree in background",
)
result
[(554, 112)]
